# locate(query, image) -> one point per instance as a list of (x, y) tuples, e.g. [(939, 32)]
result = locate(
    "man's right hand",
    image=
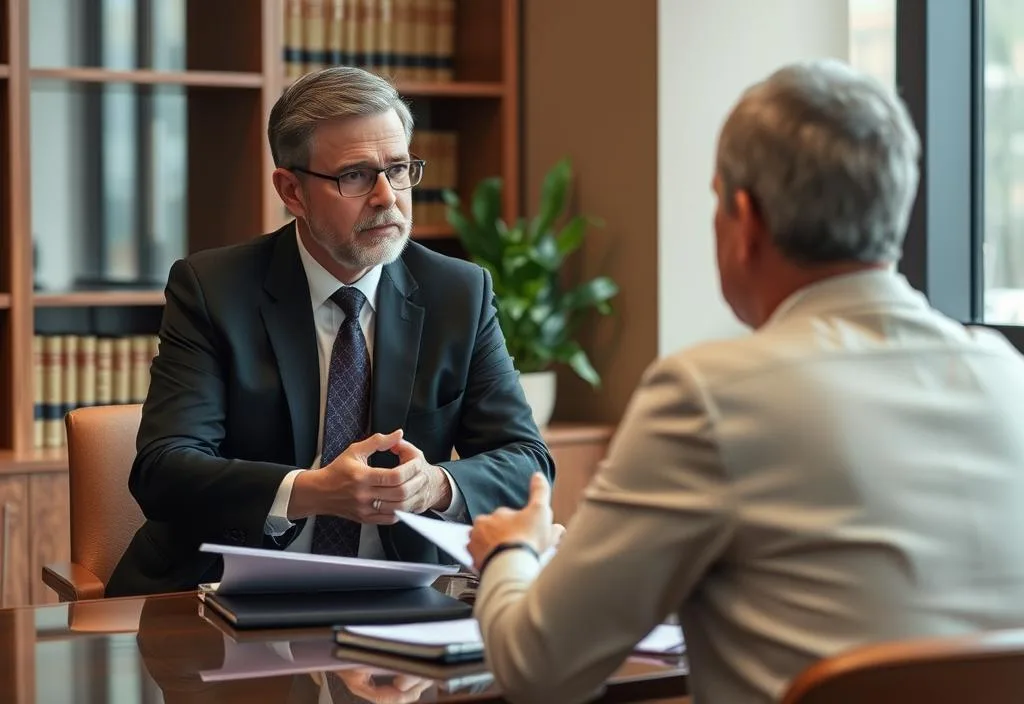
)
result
[(349, 486)]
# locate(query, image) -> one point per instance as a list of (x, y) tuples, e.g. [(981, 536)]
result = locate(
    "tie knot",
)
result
[(350, 300)]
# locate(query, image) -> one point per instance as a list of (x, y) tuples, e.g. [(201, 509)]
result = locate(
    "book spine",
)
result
[(69, 376), (385, 56), (444, 45), (402, 21), (315, 34), (38, 393), (294, 63), (53, 390), (352, 32), (104, 371), (87, 370), (122, 376), (422, 43), (367, 21), (140, 368)]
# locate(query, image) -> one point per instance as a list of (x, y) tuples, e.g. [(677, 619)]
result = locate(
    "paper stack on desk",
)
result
[(256, 571)]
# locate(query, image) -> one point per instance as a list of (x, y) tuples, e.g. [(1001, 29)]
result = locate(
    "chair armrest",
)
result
[(72, 582)]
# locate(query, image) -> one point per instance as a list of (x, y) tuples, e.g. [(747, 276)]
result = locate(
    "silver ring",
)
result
[(376, 505)]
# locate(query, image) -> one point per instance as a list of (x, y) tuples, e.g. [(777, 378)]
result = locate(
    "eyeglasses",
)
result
[(355, 183)]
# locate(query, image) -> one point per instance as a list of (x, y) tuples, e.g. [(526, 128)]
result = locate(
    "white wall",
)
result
[(708, 52)]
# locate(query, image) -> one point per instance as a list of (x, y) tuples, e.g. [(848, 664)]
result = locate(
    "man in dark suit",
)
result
[(313, 381)]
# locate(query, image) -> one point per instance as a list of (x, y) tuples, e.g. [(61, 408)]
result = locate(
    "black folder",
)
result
[(303, 610)]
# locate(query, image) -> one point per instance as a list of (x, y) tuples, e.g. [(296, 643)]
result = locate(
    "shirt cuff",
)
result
[(277, 522), (456, 511)]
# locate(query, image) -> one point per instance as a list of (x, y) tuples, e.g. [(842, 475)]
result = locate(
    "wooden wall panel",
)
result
[(14, 542), (50, 539), (590, 92)]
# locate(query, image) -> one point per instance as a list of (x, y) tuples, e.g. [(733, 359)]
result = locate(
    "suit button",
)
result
[(235, 536)]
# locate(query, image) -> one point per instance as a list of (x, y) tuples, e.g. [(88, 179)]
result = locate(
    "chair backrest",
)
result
[(104, 515), (988, 667)]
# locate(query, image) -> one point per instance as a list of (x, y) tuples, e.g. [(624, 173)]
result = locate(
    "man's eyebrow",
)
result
[(348, 166)]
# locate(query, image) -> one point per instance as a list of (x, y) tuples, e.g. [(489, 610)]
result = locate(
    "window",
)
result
[(1002, 252)]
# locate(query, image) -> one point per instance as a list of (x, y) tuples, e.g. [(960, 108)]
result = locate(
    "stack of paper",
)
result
[(255, 571)]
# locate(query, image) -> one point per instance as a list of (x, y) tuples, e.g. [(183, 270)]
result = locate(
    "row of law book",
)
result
[(404, 40), (440, 150), (73, 371)]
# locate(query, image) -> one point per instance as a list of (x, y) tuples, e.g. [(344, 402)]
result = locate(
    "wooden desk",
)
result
[(142, 650)]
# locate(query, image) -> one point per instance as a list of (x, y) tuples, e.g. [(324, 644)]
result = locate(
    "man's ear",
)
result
[(290, 190), (752, 232)]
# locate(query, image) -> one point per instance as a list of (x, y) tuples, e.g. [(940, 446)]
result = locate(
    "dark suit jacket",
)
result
[(234, 400)]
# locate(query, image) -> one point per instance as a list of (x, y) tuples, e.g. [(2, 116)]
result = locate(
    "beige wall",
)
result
[(590, 92), (635, 92)]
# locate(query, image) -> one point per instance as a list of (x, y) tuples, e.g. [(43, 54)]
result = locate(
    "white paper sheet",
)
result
[(664, 639), (453, 538), (252, 570), (463, 630)]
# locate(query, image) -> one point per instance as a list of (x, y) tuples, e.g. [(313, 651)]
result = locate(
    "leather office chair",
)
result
[(104, 515), (987, 667)]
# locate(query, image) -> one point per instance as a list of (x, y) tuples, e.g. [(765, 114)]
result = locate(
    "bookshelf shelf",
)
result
[(451, 89), (81, 299), (5, 301), (33, 461), (4, 71), (207, 79)]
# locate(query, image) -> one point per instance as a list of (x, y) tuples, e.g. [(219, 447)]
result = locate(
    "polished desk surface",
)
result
[(168, 649)]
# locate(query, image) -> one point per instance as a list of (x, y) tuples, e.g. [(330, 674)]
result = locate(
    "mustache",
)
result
[(383, 219)]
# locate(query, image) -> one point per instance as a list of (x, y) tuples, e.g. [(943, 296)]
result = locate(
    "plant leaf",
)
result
[(571, 236), (591, 293), (552, 197), (487, 202)]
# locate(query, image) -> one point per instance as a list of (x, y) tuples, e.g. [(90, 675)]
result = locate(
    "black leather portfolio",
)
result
[(291, 610)]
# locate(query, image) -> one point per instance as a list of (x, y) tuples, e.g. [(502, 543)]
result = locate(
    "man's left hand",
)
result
[(435, 493), (531, 525)]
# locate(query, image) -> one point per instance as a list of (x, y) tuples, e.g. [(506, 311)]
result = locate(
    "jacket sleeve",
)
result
[(497, 438), (657, 516), (179, 476)]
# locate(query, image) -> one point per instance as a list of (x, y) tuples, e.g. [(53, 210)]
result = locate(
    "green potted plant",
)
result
[(538, 312)]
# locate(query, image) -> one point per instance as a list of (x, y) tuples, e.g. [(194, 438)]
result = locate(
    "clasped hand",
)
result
[(351, 488)]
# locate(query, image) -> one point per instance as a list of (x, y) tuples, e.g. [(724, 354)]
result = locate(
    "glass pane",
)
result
[(109, 178), (1003, 247), (113, 34), (873, 38)]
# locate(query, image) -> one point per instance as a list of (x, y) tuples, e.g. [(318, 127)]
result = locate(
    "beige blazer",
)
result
[(853, 471)]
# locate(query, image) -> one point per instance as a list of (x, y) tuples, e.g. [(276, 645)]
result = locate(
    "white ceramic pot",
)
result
[(539, 388)]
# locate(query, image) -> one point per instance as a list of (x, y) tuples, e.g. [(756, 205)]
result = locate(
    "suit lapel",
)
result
[(396, 346), (288, 316)]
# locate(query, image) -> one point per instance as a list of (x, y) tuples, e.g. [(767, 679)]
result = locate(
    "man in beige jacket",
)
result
[(853, 471)]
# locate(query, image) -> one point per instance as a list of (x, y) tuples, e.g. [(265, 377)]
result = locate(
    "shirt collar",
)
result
[(323, 284)]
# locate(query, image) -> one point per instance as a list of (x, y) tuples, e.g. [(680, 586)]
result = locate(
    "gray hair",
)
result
[(829, 158), (330, 94)]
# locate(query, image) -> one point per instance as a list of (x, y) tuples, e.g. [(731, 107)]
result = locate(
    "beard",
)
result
[(362, 249)]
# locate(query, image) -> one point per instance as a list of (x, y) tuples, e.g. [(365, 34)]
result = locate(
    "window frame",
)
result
[(940, 63)]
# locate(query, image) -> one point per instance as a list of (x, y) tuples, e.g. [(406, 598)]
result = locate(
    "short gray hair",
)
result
[(330, 94), (830, 159)]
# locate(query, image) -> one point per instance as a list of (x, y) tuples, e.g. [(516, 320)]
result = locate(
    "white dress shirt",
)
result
[(327, 318)]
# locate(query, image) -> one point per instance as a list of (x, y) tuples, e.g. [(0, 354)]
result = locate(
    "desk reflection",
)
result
[(165, 649)]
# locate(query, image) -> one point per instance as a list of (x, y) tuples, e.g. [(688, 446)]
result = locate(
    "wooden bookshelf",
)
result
[(81, 299), (230, 74), (207, 79)]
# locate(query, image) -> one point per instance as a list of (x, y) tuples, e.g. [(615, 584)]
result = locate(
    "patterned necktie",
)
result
[(346, 416)]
